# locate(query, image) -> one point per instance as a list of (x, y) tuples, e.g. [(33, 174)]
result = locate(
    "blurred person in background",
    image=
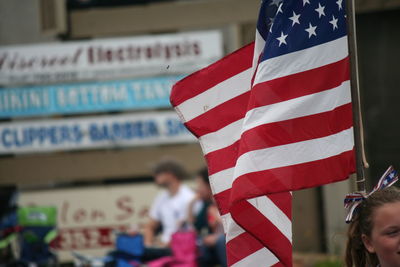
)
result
[(204, 216), (169, 208), (8, 223)]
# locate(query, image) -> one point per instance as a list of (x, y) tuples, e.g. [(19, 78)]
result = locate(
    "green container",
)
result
[(37, 216)]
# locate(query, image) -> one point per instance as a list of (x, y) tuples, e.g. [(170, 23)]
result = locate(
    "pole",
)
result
[(361, 162)]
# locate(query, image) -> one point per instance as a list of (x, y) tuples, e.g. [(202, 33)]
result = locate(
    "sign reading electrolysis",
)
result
[(86, 97), (113, 58), (93, 132)]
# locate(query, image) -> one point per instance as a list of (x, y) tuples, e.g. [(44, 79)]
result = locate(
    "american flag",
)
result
[(273, 117)]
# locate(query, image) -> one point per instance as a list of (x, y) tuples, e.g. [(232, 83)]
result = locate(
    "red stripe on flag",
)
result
[(220, 116), (300, 84), (282, 201), (264, 230), (236, 250), (297, 130), (281, 133), (295, 177), (222, 159), (221, 70), (277, 198), (222, 200), (280, 179), (269, 93)]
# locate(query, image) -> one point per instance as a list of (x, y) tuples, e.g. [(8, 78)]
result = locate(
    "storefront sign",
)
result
[(109, 58), (86, 97), (93, 132), (87, 218)]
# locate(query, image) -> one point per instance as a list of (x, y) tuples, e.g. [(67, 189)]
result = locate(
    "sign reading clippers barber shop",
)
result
[(109, 58), (111, 131)]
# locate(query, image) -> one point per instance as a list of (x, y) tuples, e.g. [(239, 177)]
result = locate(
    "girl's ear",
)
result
[(367, 243)]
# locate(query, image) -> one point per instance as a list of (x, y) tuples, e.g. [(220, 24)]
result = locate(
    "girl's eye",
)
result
[(392, 232)]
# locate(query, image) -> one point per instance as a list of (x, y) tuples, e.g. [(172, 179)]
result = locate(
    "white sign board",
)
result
[(87, 217), (124, 130), (112, 58)]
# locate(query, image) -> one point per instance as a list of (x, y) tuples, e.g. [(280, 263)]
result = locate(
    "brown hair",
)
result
[(356, 254), (203, 174), (170, 166)]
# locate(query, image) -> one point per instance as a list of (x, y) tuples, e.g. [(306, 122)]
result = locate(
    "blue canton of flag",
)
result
[(292, 25), (266, 16)]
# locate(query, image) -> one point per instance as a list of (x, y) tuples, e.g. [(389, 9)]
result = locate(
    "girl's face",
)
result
[(385, 235), (203, 189)]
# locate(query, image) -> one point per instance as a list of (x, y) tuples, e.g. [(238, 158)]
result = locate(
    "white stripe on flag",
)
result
[(222, 138), (295, 153), (274, 214), (258, 49), (262, 257), (233, 229), (290, 109), (222, 180), (299, 107), (216, 95), (302, 60), (268, 208)]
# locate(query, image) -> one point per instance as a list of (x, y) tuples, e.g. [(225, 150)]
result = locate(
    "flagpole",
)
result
[(361, 162)]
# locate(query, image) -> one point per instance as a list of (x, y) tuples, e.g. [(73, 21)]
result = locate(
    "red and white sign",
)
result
[(86, 238), (114, 58), (88, 217)]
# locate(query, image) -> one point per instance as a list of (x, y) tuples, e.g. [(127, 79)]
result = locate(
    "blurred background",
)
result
[(85, 113)]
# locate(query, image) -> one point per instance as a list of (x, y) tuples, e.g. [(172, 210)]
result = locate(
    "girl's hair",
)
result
[(356, 254), (203, 174)]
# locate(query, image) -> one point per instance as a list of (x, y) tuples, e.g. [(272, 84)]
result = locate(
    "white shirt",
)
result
[(171, 210)]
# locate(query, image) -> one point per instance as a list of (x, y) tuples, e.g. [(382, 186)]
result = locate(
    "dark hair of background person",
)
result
[(170, 166), (203, 174), (6, 194)]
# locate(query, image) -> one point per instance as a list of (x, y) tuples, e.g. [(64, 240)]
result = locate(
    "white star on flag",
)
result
[(271, 21), (306, 2), (295, 18), (311, 30), (320, 10), (275, 2), (339, 3), (334, 22), (279, 9), (282, 39)]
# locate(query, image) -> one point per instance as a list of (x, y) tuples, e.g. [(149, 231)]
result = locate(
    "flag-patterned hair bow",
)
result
[(353, 200)]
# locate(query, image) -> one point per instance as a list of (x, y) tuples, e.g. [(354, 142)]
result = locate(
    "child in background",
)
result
[(374, 231), (204, 216)]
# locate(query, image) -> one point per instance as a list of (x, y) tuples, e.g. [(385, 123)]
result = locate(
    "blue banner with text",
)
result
[(92, 97)]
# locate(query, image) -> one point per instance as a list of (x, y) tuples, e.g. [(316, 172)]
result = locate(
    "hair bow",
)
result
[(353, 200)]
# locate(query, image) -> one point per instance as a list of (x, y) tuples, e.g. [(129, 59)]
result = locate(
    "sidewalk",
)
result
[(315, 260)]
